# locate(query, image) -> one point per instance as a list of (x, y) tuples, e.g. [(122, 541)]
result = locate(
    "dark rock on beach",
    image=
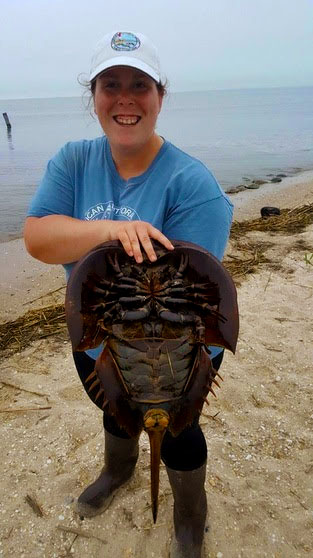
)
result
[(269, 211), (252, 186), (236, 189), (255, 183), (259, 182)]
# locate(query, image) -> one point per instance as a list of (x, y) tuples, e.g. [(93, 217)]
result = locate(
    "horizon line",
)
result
[(169, 93)]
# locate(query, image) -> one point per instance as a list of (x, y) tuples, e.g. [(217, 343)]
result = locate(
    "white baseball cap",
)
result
[(123, 48)]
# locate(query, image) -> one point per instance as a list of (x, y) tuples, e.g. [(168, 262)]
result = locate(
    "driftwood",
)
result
[(80, 533), (32, 502), (19, 388), (24, 409)]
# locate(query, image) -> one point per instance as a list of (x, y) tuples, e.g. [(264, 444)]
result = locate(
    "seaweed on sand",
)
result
[(248, 256), (290, 221)]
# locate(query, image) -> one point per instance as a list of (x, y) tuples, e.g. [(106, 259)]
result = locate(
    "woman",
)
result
[(132, 185)]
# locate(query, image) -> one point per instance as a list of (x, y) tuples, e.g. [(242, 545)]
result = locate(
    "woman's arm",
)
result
[(59, 239)]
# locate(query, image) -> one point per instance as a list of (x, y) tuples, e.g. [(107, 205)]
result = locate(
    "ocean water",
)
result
[(248, 133)]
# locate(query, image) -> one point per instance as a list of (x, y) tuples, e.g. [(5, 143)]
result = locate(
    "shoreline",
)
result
[(239, 199), (291, 192), (27, 283)]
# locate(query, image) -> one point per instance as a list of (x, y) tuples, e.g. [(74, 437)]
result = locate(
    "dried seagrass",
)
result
[(155, 321)]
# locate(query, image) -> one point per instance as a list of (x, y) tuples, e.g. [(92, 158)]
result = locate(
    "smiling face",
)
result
[(127, 103)]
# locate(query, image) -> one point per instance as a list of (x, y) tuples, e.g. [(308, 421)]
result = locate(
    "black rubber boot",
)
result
[(120, 458), (190, 510)]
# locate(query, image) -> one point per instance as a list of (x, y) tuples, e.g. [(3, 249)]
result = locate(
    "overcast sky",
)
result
[(203, 44)]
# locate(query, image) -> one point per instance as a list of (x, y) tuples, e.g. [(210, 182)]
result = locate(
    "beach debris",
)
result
[(155, 320), (268, 211), (80, 533), (289, 221), (19, 388), (63, 287), (33, 503), (35, 324), (293, 492), (250, 257), (24, 409)]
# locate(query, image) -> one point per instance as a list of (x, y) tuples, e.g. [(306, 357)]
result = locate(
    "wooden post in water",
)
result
[(7, 121)]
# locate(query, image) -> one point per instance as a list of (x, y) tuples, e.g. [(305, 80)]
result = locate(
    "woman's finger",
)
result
[(136, 235), (145, 238), (135, 244), (123, 237), (147, 245), (157, 235)]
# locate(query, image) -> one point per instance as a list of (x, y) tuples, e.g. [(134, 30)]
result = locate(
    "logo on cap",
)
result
[(125, 41)]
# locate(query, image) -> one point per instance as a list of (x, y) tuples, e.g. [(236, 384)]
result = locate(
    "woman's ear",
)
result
[(160, 102)]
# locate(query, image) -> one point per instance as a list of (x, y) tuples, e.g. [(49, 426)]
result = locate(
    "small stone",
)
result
[(61, 517), (236, 189), (259, 182), (252, 186)]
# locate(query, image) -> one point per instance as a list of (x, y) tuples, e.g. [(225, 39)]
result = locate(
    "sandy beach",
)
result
[(258, 431)]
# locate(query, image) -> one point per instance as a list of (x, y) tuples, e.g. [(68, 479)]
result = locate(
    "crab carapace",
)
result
[(155, 321)]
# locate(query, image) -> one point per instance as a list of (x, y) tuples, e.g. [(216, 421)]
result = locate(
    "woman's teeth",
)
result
[(129, 120)]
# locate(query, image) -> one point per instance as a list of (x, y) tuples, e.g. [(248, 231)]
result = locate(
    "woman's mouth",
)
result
[(127, 120)]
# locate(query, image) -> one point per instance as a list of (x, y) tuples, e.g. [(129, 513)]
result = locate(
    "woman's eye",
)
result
[(110, 85), (140, 85)]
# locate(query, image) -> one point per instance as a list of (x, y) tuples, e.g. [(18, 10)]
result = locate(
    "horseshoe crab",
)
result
[(156, 321)]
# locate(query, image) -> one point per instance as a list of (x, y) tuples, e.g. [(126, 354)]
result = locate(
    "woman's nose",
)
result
[(125, 97)]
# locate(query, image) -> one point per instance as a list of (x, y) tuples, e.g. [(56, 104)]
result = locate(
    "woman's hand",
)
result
[(135, 236), (58, 239)]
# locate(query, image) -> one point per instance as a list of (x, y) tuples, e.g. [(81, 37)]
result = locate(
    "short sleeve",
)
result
[(203, 215), (55, 194)]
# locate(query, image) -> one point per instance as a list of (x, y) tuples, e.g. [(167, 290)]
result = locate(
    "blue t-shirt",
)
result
[(177, 194)]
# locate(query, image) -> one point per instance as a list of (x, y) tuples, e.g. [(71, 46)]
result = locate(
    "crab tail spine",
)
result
[(155, 424)]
